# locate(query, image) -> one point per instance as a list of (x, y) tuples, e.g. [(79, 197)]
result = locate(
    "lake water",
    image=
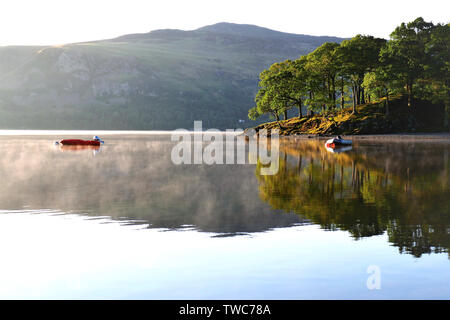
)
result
[(124, 222)]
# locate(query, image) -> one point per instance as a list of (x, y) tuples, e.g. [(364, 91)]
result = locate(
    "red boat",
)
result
[(79, 142), (96, 141)]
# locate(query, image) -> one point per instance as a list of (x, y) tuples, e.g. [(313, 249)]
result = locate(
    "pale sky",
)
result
[(51, 22)]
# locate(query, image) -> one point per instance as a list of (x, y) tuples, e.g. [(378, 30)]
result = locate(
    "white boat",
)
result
[(337, 142)]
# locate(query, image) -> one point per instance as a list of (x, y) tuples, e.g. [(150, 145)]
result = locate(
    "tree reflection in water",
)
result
[(399, 188)]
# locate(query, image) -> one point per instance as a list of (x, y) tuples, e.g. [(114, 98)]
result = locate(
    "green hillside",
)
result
[(164, 79)]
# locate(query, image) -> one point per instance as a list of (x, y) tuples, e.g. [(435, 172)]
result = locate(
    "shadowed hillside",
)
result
[(164, 79)]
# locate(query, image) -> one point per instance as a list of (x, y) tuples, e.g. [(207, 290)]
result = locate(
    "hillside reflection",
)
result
[(399, 188), (133, 180)]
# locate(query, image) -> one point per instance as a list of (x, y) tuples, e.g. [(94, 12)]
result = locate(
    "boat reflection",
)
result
[(338, 149), (78, 148)]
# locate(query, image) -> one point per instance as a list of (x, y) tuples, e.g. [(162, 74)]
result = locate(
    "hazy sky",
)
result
[(65, 21)]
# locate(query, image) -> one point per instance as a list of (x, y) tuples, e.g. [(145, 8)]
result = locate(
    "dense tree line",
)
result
[(414, 62)]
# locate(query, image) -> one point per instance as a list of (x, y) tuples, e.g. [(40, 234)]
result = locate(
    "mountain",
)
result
[(164, 79)]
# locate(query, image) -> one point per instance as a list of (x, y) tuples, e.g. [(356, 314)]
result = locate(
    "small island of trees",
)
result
[(361, 80)]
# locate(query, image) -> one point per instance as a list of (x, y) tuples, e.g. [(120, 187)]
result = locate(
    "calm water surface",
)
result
[(124, 222)]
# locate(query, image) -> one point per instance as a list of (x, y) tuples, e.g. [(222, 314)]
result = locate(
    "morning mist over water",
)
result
[(131, 183)]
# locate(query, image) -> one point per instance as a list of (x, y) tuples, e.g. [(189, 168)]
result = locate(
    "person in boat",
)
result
[(97, 138)]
